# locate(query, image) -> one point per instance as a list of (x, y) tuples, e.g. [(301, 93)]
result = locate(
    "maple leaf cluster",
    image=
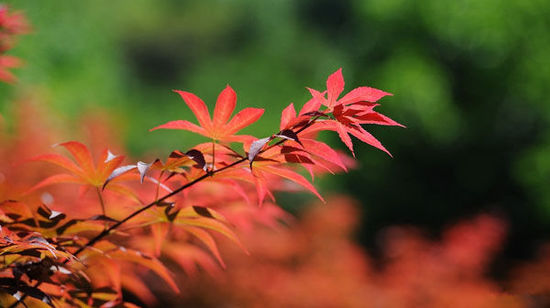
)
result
[(64, 247), (12, 24)]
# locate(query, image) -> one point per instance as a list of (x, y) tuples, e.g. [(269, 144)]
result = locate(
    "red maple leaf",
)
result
[(269, 163), (219, 128), (308, 143), (335, 87), (85, 172), (351, 111)]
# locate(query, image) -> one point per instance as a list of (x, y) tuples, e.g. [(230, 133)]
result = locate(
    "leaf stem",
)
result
[(158, 185), (100, 197), (213, 157)]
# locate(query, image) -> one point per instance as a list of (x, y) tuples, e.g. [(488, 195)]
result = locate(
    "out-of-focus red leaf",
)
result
[(59, 160), (82, 156), (208, 240), (159, 231), (57, 179), (292, 176), (134, 256)]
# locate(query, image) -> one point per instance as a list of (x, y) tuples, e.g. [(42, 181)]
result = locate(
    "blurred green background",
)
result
[(470, 80)]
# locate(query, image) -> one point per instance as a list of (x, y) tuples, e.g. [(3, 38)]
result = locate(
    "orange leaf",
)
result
[(59, 160), (57, 179), (149, 262), (211, 224), (82, 156), (208, 240)]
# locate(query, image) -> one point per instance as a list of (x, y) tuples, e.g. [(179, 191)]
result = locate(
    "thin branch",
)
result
[(195, 181), (107, 231)]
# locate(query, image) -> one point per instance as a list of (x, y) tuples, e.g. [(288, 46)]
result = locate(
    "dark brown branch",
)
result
[(107, 231)]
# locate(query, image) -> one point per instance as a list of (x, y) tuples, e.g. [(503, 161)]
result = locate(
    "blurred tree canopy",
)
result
[(470, 80)]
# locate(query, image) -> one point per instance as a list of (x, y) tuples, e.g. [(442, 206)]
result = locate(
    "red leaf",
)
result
[(243, 119), (159, 231), (335, 86), (343, 134), (261, 187), (212, 224), (208, 240), (198, 107), (181, 124), (224, 107), (377, 118), (216, 129), (57, 179), (147, 261), (361, 94), (323, 151), (59, 160), (125, 191), (313, 104), (292, 176), (82, 156), (288, 114), (354, 129), (366, 137)]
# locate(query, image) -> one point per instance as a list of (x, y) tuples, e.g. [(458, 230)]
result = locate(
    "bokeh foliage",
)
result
[(470, 80)]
